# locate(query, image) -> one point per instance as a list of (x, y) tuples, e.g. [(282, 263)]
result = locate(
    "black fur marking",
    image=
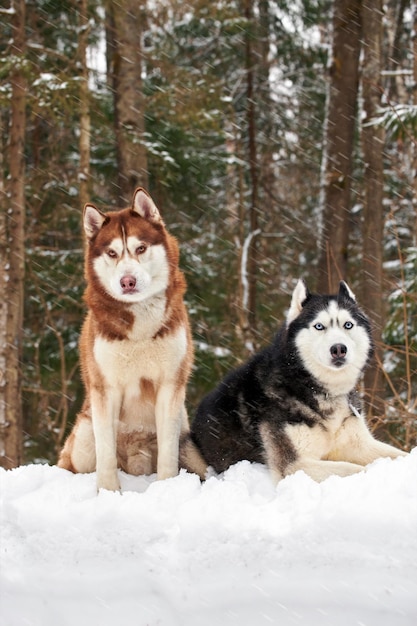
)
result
[(226, 426)]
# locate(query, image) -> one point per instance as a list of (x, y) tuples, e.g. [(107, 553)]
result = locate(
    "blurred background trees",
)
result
[(278, 139)]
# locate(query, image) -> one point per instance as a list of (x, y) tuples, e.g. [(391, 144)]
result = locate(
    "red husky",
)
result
[(135, 348)]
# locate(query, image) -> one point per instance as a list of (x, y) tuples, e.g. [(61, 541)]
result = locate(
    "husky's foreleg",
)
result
[(285, 454), (319, 469), (169, 415), (356, 444), (105, 411)]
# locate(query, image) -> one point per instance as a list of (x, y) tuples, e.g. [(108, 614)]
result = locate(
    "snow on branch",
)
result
[(244, 267), (397, 119)]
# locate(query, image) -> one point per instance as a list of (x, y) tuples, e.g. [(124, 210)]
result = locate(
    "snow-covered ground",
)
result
[(232, 551)]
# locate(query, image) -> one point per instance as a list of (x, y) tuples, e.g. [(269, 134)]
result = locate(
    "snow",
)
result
[(234, 550)]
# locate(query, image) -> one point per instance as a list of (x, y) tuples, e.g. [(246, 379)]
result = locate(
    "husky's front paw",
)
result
[(109, 481), (166, 472)]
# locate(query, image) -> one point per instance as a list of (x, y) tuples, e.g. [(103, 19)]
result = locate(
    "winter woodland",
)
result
[(278, 140)]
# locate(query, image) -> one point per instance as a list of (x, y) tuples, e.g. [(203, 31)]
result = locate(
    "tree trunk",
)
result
[(13, 282), (395, 82), (267, 141), (338, 147), (4, 263), (248, 275), (414, 147), (373, 221), (126, 25), (85, 124)]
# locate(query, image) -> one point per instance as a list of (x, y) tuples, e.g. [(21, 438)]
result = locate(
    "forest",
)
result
[(278, 139)]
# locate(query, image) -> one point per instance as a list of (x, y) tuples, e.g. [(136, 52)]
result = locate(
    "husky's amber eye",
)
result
[(319, 326), (111, 253), (348, 325), (141, 249)]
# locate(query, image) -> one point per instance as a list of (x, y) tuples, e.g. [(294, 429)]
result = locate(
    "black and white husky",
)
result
[(293, 405)]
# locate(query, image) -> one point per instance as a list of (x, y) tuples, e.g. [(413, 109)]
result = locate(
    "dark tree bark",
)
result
[(339, 141), (395, 53), (85, 122), (415, 104), (4, 262), (125, 27), (250, 249), (373, 138), (13, 281)]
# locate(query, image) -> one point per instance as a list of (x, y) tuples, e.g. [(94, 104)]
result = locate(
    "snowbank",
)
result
[(232, 551)]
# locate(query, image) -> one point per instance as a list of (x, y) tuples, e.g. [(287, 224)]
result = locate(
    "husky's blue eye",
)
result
[(319, 326), (348, 325), (111, 253)]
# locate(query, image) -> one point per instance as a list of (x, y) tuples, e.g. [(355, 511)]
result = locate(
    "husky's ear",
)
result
[(93, 220), (143, 204), (299, 296), (345, 291)]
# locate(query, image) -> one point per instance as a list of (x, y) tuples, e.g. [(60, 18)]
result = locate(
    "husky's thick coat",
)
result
[(292, 406), (135, 348)]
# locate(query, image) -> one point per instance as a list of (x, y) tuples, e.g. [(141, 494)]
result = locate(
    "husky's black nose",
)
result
[(128, 284), (338, 352)]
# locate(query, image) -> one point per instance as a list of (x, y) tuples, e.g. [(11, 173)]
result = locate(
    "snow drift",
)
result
[(234, 550)]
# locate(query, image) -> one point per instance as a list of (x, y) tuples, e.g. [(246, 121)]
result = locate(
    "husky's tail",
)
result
[(190, 457)]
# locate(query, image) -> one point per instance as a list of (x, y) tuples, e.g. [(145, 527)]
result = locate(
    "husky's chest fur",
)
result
[(125, 361), (137, 367), (325, 427)]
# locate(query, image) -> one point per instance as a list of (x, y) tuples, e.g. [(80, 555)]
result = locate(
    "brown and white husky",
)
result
[(135, 348)]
